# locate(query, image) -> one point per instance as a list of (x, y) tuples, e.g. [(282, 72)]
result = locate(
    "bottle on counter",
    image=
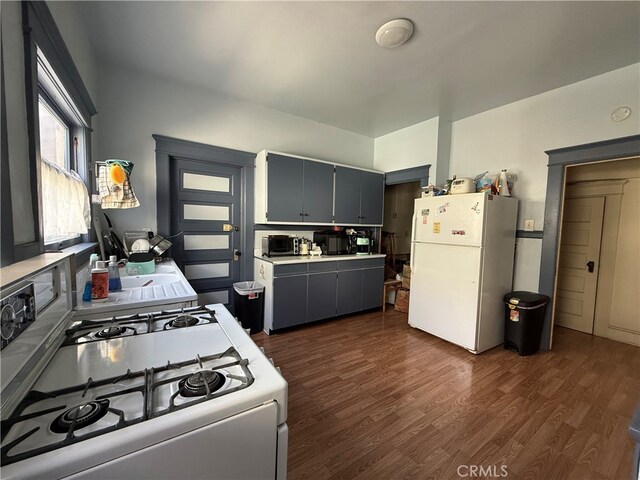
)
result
[(115, 284), (99, 283), (86, 294)]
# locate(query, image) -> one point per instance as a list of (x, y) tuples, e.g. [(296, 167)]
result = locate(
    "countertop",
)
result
[(320, 258)]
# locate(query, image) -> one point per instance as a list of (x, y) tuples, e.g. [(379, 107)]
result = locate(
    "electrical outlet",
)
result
[(529, 225)]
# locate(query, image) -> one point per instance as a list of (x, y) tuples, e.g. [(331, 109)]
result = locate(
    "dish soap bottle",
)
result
[(115, 284), (99, 283), (86, 294)]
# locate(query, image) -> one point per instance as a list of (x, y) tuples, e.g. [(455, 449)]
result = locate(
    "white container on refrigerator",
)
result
[(461, 266)]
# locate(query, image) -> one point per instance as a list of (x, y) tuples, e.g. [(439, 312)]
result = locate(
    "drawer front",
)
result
[(349, 264), (323, 267), (373, 262), (292, 269)]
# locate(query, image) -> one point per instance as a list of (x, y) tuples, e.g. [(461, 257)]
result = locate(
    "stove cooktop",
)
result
[(84, 331), (46, 421)]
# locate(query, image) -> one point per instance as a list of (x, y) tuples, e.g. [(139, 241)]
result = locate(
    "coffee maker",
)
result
[(364, 244)]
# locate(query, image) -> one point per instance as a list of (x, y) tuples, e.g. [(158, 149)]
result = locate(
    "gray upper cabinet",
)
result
[(284, 189), (347, 195), (317, 201), (292, 189), (359, 196), (371, 198)]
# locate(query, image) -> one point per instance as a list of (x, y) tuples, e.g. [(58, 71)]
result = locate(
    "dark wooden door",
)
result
[(206, 207)]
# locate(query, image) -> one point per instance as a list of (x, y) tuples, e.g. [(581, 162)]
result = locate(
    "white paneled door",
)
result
[(579, 263), (206, 203)]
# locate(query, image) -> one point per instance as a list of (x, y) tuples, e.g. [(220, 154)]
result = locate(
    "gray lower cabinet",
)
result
[(321, 302), (289, 301), (307, 292), (349, 291), (372, 284)]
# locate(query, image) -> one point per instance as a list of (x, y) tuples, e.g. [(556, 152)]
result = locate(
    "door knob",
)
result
[(590, 266), (236, 254)]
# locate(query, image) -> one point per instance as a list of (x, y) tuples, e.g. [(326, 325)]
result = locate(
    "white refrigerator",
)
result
[(462, 250)]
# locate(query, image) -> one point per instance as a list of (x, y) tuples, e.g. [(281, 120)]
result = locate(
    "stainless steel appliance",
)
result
[(335, 242), (119, 397), (280, 246)]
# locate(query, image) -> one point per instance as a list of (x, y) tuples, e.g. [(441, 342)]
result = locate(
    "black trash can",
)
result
[(248, 302), (524, 317)]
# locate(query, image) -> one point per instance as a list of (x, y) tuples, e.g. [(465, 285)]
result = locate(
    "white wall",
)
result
[(515, 137), (74, 32), (134, 106), (409, 147)]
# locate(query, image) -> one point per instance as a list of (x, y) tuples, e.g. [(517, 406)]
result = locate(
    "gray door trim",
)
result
[(168, 147), (559, 159), (413, 174)]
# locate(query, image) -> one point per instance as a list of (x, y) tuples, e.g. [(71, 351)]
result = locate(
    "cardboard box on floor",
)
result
[(406, 276), (402, 301)]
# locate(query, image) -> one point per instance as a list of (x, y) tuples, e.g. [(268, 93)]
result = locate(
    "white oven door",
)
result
[(240, 447)]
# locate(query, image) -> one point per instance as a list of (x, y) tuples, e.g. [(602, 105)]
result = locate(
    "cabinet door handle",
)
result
[(301, 214), (306, 214)]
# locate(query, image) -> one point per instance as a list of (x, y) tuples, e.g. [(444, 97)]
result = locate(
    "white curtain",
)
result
[(66, 211)]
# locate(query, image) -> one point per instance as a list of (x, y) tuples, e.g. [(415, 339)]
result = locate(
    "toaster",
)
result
[(463, 185)]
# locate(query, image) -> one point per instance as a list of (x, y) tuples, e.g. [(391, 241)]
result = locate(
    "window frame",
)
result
[(41, 32), (46, 98)]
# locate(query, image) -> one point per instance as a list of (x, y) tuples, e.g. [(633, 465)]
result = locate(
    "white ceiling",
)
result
[(319, 60)]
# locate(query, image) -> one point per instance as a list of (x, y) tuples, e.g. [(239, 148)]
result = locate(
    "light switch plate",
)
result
[(529, 225)]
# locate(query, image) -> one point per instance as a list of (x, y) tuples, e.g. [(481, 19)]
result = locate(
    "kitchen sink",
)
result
[(167, 288)]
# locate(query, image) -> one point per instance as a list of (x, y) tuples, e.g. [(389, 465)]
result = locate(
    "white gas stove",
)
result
[(172, 394)]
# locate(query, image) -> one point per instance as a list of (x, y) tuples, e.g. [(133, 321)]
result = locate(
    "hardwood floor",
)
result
[(372, 398)]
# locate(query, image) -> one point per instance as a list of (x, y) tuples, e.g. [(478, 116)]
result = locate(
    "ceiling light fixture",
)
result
[(620, 114), (394, 33)]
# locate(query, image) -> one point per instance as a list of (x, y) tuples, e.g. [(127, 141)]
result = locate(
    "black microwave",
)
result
[(335, 243), (279, 246)]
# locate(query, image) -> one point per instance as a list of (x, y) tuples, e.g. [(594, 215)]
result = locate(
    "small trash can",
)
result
[(524, 317), (248, 302)]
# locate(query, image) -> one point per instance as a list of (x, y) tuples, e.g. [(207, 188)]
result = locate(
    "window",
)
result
[(64, 195), (54, 135)]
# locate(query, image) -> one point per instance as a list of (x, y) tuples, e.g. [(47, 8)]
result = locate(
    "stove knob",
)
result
[(279, 371), (271, 360), (262, 350), (248, 330)]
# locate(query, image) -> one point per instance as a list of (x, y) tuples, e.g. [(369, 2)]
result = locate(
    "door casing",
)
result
[(559, 159), (167, 147)]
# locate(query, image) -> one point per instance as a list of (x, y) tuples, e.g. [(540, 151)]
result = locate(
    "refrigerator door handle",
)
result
[(412, 264)]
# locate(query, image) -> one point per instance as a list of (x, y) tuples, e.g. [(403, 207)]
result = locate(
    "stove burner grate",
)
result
[(80, 416), (182, 321), (110, 332), (204, 382)]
